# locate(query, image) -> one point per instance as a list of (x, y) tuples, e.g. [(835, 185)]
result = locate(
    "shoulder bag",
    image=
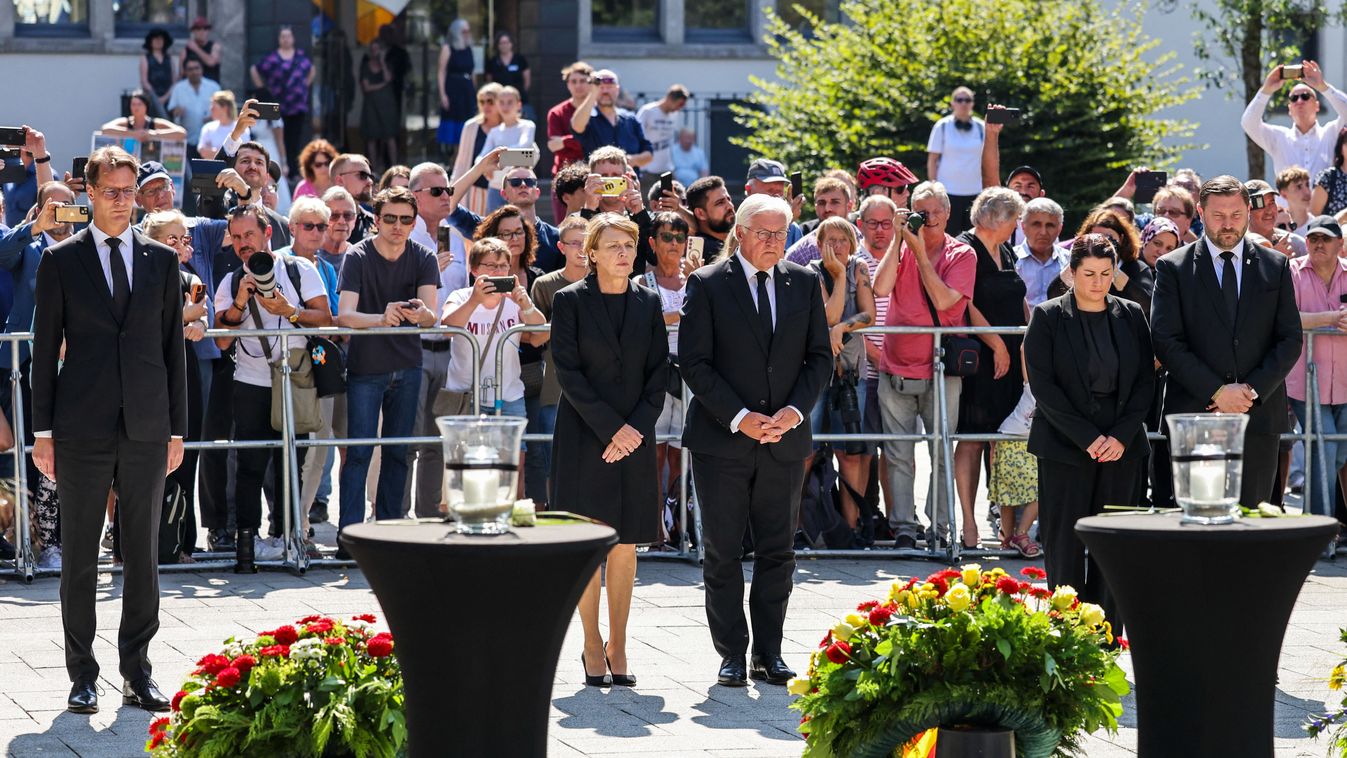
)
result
[(958, 352), (459, 402)]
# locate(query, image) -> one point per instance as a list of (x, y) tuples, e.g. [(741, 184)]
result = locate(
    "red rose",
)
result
[(334, 641), (177, 701), (941, 586), (838, 652), (286, 635), (880, 616), (867, 605), (368, 618), (244, 663), (379, 646), (1033, 572), (159, 725), (1008, 585), (228, 678)]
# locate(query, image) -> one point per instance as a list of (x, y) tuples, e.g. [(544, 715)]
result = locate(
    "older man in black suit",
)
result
[(112, 415), (1225, 326), (753, 344)]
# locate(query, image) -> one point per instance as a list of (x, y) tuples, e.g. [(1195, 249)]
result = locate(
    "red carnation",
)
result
[(228, 678), (177, 700), (1033, 572), (275, 651), (379, 646), (1025, 586), (285, 635), (880, 616), (156, 739), (309, 619), (867, 605), (827, 637), (334, 641), (319, 627), (1008, 585), (368, 618), (212, 664), (838, 652), (159, 725), (244, 663), (941, 586), (1041, 593), (1124, 644)]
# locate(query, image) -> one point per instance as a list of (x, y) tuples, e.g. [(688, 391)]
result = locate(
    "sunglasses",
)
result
[(309, 226), (673, 237), (367, 176), (1300, 96), (343, 215), (324, 164), (523, 181), (390, 219), (963, 99), (436, 191), (605, 80)]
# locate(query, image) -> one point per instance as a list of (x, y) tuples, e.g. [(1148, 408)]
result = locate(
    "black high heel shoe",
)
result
[(621, 680), (594, 681)]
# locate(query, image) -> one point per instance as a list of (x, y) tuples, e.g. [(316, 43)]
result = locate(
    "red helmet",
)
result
[(883, 172)]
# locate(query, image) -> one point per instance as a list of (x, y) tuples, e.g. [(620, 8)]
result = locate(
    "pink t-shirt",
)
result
[(1330, 352), (910, 355), (305, 189)]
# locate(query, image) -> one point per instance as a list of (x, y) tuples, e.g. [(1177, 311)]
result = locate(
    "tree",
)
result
[(1255, 35), (874, 83)]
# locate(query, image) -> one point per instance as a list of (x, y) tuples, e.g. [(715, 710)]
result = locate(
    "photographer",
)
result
[(519, 187), (1306, 142), (598, 122), (270, 292)]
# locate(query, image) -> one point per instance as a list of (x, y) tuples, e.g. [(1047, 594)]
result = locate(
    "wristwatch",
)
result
[(294, 317)]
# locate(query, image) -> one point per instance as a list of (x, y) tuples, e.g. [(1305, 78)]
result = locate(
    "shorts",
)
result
[(1014, 479), (671, 420), (826, 417)]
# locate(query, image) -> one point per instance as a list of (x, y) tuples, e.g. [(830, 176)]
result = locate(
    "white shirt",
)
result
[(251, 363), (195, 104), (1288, 146), (453, 277), (960, 152), (215, 134), (751, 275), (479, 324), (1219, 263), (660, 129), (104, 253)]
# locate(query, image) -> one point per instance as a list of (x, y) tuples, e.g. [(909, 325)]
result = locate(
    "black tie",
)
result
[(121, 285), (1230, 285), (764, 304)]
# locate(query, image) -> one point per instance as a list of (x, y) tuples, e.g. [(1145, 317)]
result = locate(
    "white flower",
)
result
[(307, 649)]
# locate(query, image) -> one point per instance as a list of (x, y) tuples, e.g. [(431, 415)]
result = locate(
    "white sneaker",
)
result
[(49, 558), (107, 538), (268, 549)]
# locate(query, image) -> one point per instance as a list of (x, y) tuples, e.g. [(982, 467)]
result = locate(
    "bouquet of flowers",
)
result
[(963, 647), (319, 687), (1335, 722)]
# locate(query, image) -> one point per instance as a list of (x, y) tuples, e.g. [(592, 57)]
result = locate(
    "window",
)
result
[(51, 18), (716, 20), (625, 19), (136, 17), (827, 10)]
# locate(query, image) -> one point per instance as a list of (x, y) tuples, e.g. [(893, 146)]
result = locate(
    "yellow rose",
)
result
[(798, 686), (958, 598), (896, 592), (972, 574), (1091, 615), (856, 620), (1063, 597), (1337, 678), (843, 631), (913, 601)]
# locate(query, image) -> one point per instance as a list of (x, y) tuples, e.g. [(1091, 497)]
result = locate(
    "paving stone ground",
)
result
[(675, 711)]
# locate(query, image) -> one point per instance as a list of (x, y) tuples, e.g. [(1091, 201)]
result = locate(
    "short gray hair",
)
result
[(931, 189), (338, 193), (996, 206), (310, 204), (755, 205), (871, 201), (1042, 205), (421, 170)]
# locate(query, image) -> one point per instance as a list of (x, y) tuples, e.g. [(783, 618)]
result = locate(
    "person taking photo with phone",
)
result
[(1306, 143)]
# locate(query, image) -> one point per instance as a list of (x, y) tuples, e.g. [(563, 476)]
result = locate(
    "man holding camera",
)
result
[(386, 280), (271, 291), (1306, 142), (598, 122)]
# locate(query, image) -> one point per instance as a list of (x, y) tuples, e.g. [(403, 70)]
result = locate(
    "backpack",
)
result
[(820, 517), (172, 523)]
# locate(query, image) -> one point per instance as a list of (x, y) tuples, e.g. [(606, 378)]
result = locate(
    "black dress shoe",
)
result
[(144, 694), (83, 698), (594, 681), (770, 668), (732, 673), (621, 680)]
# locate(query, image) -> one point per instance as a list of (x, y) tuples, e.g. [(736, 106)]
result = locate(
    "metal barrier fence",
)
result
[(296, 559)]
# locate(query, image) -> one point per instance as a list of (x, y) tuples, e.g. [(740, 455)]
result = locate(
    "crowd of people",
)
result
[(1186, 296)]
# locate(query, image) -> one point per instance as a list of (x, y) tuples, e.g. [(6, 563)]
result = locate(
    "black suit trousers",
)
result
[(85, 469), (760, 492)]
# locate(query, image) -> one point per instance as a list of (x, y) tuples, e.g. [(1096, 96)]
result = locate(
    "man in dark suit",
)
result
[(113, 416), (1225, 326), (754, 348)]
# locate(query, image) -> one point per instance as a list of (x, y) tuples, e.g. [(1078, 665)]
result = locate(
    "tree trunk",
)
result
[(1251, 64)]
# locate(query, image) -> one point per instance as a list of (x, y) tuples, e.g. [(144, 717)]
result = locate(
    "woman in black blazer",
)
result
[(1091, 370), (611, 353)]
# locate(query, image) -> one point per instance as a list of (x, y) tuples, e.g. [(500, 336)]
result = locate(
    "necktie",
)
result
[(1230, 285), (121, 285), (764, 304)]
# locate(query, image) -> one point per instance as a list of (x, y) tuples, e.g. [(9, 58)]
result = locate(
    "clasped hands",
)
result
[(1105, 449), (1233, 398), (768, 429), (624, 442)]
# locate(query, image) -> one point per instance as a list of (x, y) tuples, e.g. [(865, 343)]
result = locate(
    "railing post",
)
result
[(942, 455), (1311, 432), (292, 524), (23, 548)]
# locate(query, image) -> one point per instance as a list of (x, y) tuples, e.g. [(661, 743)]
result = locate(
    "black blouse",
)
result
[(1102, 362)]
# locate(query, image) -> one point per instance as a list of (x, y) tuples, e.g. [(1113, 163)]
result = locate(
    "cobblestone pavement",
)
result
[(675, 710)]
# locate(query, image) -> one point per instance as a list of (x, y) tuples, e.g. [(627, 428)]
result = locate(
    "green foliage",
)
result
[(1254, 33), (1333, 724), (874, 84)]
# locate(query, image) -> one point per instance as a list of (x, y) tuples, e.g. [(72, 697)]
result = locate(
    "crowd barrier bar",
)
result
[(297, 560)]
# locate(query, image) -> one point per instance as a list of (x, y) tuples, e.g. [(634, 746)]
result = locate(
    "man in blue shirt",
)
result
[(520, 189), (599, 122), (1039, 261), (36, 161)]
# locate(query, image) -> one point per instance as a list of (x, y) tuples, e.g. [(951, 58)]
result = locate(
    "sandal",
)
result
[(1026, 546)]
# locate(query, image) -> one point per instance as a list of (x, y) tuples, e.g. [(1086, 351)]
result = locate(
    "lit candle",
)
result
[(1206, 478), (480, 486)]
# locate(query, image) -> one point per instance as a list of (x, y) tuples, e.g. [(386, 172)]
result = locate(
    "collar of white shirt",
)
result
[(1216, 251), (751, 272)]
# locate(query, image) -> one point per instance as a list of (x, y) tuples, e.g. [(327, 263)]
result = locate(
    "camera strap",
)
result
[(257, 319)]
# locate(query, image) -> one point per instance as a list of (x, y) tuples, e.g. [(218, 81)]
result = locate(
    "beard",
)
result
[(1227, 237), (720, 226)]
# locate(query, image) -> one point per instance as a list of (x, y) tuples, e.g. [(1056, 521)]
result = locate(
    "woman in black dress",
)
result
[(989, 396), (156, 70), (1091, 369), (510, 69), (613, 375), (456, 86)]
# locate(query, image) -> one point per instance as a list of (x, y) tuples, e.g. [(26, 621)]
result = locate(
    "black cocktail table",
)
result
[(477, 624), (1206, 608)]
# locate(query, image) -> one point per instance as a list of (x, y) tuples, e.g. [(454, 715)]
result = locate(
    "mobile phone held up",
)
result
[(613, 186), (1293, 71), (203, 176), (13, 135), (1148, 183), (666, 181), (72, 214), (796, 184), (1002, 115), (504, 284), (267, 111), (518, 157)]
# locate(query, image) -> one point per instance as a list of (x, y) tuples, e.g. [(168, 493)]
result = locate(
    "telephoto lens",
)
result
[(262, 265)]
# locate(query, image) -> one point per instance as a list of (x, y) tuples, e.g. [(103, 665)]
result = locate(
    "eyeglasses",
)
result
[(1171, 212), (111, 194), (502, 266), (507, 236), (962, 99), (391, 219), (873, 225), (568, 245), (767, 236), (343, 215), (156, 191), (363, 174), (172, 240), (309, 226), (673, 237), (523, 181), (1295, 96), (436, 191)]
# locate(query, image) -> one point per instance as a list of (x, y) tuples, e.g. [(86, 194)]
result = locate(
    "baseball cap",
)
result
[(1324, 225), (150, 171), (765, 170), (201, 22), (1257, 187), (1030, 170)]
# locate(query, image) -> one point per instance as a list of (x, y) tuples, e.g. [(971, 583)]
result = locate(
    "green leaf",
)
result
[(1003, 645)]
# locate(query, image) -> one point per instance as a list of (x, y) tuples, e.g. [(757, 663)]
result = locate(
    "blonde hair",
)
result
[(154, 224), (602, 223), (225, 99), (839, 225)]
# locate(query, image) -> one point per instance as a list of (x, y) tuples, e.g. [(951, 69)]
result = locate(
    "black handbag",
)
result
[(959, 353), (674, 385)]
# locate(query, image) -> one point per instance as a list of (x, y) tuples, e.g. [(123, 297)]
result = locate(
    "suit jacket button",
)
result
[(762, 403), (769, 369), (1229, 378), (1236, 343)]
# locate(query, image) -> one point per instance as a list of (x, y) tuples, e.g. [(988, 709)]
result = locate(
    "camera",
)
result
[(613, 186), (262, 265), (915, 221), (847, 405), (1290, 71)]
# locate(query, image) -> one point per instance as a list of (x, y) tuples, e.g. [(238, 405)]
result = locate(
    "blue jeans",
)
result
[(366, 395), (538, 464), (1332, 420)]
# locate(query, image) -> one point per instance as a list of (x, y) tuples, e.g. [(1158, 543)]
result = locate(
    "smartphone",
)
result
[(203, 176), (1148, 183), (796, 184), (915, 221), (77, 167), (13, 172), (442, 237), (1293, 71), (12, 135), (1258, 202), (697, 246), (503, 284), (613, 186), (1003, 115), (267, 111), (9, 153), (519, 156), (666, 181), (198, 292), (72, 214)]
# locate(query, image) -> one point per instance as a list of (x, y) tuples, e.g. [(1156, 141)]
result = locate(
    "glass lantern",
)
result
[(481, 470), (1207, 453)]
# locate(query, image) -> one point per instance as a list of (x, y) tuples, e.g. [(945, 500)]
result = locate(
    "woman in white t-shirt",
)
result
[(223, 112), (487, 314), (954, 157)]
